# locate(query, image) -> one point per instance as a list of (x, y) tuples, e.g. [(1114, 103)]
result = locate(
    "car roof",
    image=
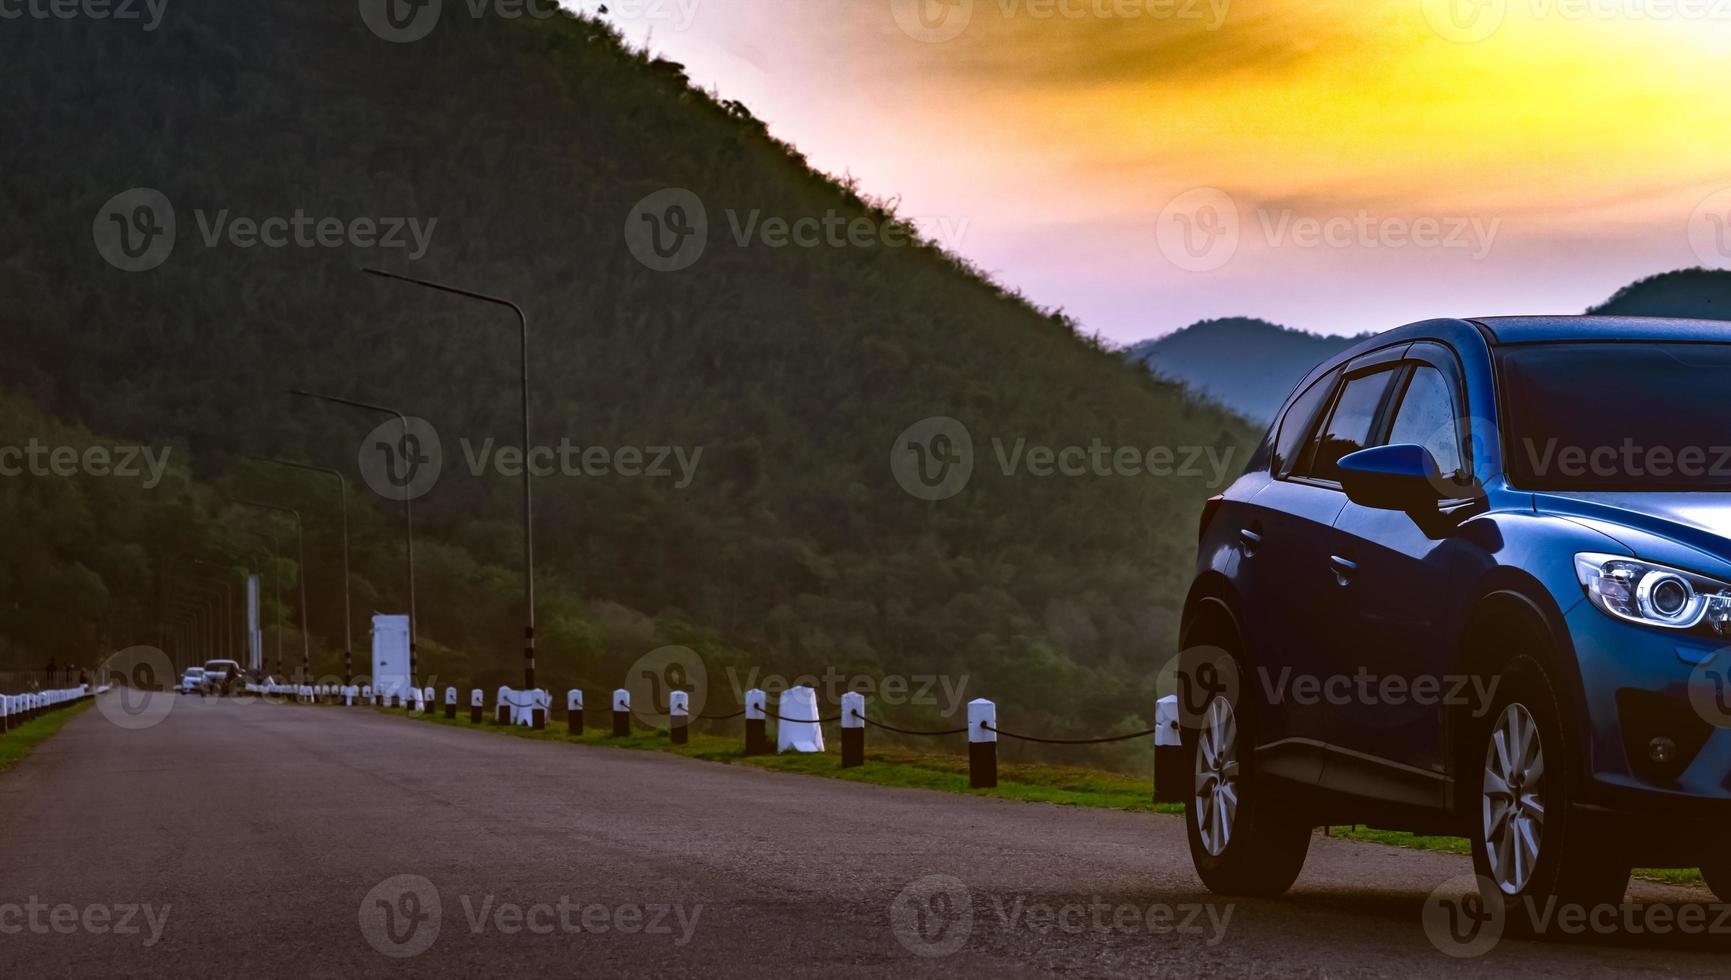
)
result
[(1558, 329)]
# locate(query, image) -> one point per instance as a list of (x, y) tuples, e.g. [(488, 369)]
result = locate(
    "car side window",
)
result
[(1349, 425), (1299, 422), (1427, 418)]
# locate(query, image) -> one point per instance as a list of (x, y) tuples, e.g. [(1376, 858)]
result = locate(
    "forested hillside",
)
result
[(530, 143)]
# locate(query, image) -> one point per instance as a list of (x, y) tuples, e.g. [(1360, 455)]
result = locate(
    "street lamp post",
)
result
[(301, 550), (408, 522), (348, 607), (528, 468)]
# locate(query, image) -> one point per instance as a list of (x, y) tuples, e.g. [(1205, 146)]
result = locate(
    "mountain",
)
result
[(643, 225), (1249, 365), (1702, 294)]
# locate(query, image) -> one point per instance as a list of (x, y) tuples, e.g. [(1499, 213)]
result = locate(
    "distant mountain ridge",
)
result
[(1246, 364), (1250, 365)]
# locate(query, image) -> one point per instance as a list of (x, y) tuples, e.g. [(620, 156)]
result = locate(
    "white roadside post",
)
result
[(450, 703), (367, 695), (540, 702), (982, 744), (621, 713), (756, 741), (5, 714), (1170, 771), (803, 734), (679, 717), (852, 729), (574, 711), (477, 704), (502, 707), (429, 700)]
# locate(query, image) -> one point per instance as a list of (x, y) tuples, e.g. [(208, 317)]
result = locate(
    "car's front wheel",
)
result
[(1533, 853), (1240, 840)]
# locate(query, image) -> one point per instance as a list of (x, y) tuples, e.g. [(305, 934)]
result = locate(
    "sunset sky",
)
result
[(1474, 156)]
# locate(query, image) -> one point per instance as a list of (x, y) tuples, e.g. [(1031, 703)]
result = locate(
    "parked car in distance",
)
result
[(192, 680), (1476, 581), (223, 677)]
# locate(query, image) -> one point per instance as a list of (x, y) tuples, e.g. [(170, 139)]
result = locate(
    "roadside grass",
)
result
[(885, 765), (19, 742), (890, 765)]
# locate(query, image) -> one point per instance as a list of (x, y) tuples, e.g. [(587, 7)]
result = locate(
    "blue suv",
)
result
[(1475, 581)]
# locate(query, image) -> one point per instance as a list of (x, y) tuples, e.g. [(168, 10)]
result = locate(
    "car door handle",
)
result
[(1250, 539), (1344, 569)]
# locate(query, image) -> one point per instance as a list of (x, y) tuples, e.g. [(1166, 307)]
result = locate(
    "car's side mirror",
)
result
[(1402, 478)]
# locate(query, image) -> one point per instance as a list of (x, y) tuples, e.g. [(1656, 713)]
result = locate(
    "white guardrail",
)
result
[(17, 709)]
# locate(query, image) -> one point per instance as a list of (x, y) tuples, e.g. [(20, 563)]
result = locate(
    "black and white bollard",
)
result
[(621, 713), (756, 736), (679, 717), (1171, 771), (574, 712), (502, 707), (852, 730), (476, 704), (5, 714), (982, 744), (450, 703), (539, 702)]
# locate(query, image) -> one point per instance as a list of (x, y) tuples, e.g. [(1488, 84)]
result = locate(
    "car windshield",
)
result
[(1617, 416)]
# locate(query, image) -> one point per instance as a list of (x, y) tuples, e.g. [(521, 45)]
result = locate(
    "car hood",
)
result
[(1699, 521)]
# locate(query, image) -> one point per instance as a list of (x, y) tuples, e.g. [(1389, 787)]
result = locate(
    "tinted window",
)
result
[(1617, 416), (1299, 422), (1349, 426), (1427, 418)]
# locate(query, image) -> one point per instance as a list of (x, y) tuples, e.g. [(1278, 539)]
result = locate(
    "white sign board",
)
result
[(391, 655)]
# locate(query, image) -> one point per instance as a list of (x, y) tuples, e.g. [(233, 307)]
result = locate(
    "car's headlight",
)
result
[(1654, 595)]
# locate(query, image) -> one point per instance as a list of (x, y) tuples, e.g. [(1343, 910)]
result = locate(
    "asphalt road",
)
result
[(263, 840)]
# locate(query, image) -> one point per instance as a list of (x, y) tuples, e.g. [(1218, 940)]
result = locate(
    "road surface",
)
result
[(247, 839)]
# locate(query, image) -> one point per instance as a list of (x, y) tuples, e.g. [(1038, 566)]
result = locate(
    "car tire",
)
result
[(1716, 871), (1241, 840), (1532, 850)]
